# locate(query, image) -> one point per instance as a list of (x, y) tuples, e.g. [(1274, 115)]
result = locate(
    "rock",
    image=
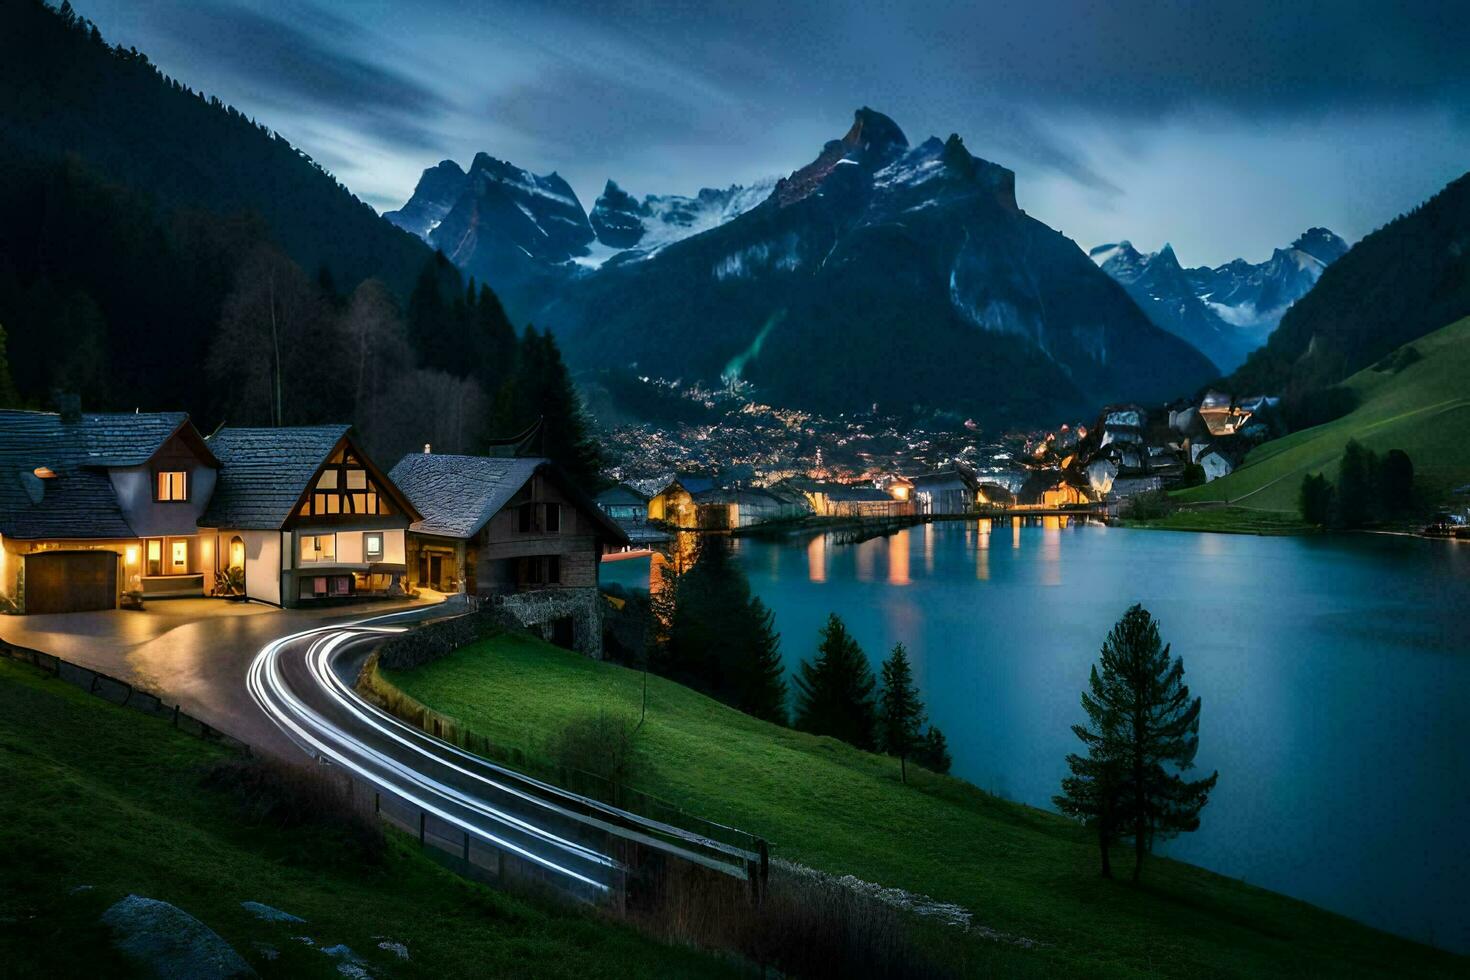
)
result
[(269, 914), (397, 949), (351, 964), (81, 889), (266, 950), (168, 942)]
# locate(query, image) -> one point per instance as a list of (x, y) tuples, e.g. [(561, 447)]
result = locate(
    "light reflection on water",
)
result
[(1333, 672)]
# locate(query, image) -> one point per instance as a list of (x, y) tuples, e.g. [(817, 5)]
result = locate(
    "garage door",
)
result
[(71, 581)]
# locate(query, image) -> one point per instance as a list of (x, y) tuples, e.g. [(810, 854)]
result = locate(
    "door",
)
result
[(70, 581)]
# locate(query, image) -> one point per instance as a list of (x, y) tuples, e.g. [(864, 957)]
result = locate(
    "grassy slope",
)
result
[(1226, 520), (1022, 871), (1423, 410), (91, 794)]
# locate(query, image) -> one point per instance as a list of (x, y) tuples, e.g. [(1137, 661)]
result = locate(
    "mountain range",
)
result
[(908, 273), (1226, 311)]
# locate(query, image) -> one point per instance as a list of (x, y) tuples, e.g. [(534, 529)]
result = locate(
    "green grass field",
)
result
[(1022, 871), (95, 795), (1227, 520), (1424, 410)]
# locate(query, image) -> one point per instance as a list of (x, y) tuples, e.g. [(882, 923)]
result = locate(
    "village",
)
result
[(861, 469)]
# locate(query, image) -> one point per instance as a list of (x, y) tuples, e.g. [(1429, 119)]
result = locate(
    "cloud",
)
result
[(318, 62)]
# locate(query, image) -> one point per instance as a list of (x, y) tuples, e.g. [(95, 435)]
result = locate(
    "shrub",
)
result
[(284, 796), (1314, 500), (1148, 506), (602, 744)]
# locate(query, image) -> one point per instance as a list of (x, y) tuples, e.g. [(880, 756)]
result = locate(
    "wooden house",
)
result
[(515, 531)]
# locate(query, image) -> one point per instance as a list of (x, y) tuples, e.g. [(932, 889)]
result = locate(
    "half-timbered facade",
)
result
[(302, 515)]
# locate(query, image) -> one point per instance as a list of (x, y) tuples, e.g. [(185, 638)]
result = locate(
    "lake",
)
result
[(1335, 673)]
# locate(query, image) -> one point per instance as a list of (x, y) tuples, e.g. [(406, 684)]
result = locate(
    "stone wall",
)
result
[(537, 611)]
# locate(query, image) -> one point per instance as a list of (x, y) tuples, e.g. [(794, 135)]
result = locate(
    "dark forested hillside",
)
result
[(1408, 278), (65, 91), (158, 250)]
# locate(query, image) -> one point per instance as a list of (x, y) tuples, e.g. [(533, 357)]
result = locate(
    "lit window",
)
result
[(180, 552), (318, 547), (357, 479), (155, 557), (372, 545), (173, 485)]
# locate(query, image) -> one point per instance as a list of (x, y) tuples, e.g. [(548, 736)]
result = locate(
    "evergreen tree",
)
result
[(900, 712), (542, 389), (834, 692), (1144, 725), (495, 341), (1314, 500), (1396, 483), (8, 396), (1356, 494), (933, 752), (720, 637)]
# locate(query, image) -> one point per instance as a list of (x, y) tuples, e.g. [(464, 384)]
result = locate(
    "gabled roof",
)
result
[(265, 471), (693, 483), (621, 494), (78, 502), (949, 476), (457, 495)]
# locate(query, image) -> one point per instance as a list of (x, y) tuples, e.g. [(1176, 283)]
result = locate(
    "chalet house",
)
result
[(1221, 415), (93, 506), (674, 504), (623, 503), (951, 491), (628, 507), (832, 499), (304, 516), (515, 531), (728, 508)]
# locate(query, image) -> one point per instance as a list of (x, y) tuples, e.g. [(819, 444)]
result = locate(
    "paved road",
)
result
[(282, 680), (192, 652), (304, 683)]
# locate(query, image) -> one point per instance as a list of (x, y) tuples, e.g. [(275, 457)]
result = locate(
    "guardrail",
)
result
[(661, 823), (122, 694)]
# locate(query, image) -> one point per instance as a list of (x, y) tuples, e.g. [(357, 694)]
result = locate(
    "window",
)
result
[(173, 485), (318, 547), (539, 518), (343, 487), (540, 570), (372, 545), (179, 551), (155, 557)]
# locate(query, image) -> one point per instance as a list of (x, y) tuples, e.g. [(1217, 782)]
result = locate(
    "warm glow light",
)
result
[(900, 492), (44, 472), (130, 554)]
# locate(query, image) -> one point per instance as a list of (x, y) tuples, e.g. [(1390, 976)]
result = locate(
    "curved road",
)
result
[(304, 684)]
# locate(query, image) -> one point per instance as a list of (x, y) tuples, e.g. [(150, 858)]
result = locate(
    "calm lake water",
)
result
[(1335, 673)]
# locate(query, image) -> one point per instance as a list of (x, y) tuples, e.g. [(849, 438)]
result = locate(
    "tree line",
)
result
[(1369, 489), (709, 631)]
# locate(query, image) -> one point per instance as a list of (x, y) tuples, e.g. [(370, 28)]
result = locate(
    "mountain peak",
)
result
[(874, 134), (1321, 244)]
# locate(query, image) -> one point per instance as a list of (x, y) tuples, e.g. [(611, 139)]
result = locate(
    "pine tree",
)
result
[(1356, 494), (720, 637), (1315, 499), (835, 691), (1395, 483), (933, 752), (900, 712), (1143, 720)]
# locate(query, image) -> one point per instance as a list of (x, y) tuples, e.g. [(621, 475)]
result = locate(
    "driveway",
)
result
[(195, 652)]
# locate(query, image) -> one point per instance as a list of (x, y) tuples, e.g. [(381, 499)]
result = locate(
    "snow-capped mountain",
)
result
[(623, 222), (1227, 311), (500, 223), (908, 273)]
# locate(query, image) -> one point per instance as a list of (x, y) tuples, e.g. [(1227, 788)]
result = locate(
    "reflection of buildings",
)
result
[(898, 558), (816, 558)]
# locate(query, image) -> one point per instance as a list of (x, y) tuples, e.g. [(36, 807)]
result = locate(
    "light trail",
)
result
[(294, 680)]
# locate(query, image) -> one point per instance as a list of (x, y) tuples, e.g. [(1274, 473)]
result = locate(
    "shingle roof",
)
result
[(457, 495), (264, 472), (78, 502)]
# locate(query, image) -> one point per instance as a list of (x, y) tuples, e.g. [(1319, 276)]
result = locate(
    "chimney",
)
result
[(426, 449), (69, 406)]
